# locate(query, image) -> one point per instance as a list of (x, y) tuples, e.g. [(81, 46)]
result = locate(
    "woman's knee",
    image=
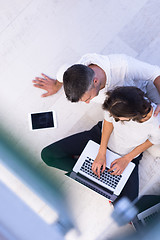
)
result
[(44, 155), (52, 153), (48, 155)]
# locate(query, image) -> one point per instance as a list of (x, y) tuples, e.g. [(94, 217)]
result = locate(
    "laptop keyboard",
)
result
[(105, 177), (151, 217)]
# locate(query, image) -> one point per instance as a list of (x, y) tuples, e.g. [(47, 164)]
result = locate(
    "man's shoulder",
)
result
[(94, 58), (99, 55)]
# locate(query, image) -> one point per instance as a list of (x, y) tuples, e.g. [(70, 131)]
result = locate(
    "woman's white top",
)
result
[(127, 135)]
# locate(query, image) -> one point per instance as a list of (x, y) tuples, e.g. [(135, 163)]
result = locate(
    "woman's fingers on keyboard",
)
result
[(96, 169)]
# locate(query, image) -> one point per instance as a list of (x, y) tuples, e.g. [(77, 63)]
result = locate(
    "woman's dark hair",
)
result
[(129, 102), (76, 81)]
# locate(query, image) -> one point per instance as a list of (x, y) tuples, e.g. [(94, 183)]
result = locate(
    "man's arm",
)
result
[(51, 85), (100, 160), (120, 164), (143, 71), (157, 83)]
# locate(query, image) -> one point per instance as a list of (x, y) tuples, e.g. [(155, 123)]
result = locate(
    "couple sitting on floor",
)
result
[(129, 127)]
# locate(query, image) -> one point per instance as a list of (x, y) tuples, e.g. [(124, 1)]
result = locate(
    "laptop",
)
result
[(109, 186), (146, 217)]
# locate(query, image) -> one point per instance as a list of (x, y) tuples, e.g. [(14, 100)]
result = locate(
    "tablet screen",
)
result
[(42, 120)]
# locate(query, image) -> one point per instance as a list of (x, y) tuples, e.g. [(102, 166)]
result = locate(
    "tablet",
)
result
[(42, 120)]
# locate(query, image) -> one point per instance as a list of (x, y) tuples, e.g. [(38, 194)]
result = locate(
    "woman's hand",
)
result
[(117, 166), (99, 164)]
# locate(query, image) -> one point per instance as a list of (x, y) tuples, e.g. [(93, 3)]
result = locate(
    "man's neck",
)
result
[(99, 74)]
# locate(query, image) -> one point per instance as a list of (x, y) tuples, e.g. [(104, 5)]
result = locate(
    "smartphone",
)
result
[(42, 120)]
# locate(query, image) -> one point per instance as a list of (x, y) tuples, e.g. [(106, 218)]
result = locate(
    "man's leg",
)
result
[(61, 154)]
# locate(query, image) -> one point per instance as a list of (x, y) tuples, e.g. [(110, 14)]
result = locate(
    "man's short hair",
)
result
[(76, 81), (128, 102)]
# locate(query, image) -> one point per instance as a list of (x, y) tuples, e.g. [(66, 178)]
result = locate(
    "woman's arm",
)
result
[(120, 164), (100, 160)]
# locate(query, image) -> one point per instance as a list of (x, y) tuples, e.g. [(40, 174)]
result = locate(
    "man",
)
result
[(107, 72), (89, 79)]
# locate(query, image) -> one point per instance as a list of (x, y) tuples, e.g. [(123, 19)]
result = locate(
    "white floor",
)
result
[(40, 35)]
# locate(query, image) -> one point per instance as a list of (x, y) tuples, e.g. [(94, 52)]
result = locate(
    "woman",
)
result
[(129, 128)]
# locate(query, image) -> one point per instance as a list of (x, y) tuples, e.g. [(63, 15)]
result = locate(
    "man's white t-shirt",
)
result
[(120, 70), (127, 135)]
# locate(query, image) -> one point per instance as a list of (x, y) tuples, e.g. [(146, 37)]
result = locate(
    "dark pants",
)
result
[(147, 201), (62, 154)]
